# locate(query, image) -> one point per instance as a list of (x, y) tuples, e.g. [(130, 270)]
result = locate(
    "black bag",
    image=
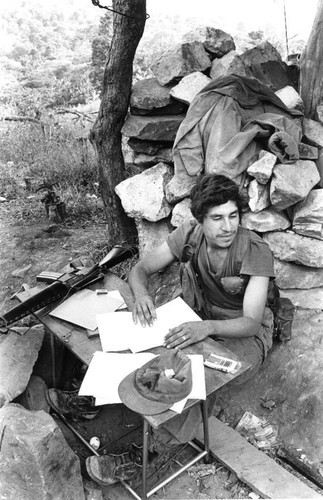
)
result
[(191, 288), (283, 310)]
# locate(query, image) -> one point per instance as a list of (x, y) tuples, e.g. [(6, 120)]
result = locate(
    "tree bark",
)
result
[(311, 66), (106, 132)]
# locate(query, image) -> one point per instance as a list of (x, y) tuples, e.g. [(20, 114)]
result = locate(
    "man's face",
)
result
[(220, 225)]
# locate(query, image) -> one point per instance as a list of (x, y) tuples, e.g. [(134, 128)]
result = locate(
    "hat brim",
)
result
[(135, 401)]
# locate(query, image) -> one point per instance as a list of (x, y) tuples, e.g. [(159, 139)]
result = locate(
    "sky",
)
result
[(228, 15), (254, 14)]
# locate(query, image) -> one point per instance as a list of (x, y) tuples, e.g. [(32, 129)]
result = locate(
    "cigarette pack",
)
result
[(222, 364)]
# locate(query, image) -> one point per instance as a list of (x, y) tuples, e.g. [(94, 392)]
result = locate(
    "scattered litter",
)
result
[(20, 273), (201, 470), (257, 431), (253, 495), (21, 330), (269, 404), (95, 442), (232, 479), (66, 337)]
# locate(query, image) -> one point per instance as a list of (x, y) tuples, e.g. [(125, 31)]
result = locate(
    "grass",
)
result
[(32, 161)]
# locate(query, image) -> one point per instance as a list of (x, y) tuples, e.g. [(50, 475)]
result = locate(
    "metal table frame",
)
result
[(202, 453)]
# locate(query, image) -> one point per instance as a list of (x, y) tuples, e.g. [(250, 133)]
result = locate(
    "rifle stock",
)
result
[(65, 285)]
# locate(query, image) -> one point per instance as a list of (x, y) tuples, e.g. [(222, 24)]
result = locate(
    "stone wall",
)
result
[(285, 199)]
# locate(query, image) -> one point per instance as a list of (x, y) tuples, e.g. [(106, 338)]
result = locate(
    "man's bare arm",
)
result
[(246, 326), (144, 308)]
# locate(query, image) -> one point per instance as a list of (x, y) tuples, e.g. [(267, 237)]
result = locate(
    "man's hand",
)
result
[(187, 333), (144, 310)]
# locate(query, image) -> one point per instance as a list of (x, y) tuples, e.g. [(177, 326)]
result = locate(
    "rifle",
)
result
[(64, 285)]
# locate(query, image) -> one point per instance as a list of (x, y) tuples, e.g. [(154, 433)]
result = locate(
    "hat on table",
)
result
[(158, 384)]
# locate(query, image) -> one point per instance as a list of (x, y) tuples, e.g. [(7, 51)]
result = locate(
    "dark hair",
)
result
[(212, 190)]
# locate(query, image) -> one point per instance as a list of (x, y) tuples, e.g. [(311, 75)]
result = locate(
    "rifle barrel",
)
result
[(50, 294), (65, 286)]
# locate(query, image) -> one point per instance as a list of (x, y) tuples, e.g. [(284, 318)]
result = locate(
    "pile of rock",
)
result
[(35, 460), (285, 200)]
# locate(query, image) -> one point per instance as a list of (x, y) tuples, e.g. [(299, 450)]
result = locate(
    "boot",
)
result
[(69, 403), (109, 469)]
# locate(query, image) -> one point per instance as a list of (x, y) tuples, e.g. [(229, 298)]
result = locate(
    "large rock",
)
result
[(215, 41), (290, 98), (319, 164), (189, 86), (149, 97), (152, 128), (151, 234), (177, 189), (146, 161), (308, 215), (181, 212), (259, 198), (142, 196), (319, 111), (313, 132), (17, 358), (229, 64), (148, 147), (35, 462), (265, 221), (262, 169), (180, 61), (290, 275), (307, 152), (34, 397), (265, 63), (291, 183), (137, 161), (295, 248), (306, 299)]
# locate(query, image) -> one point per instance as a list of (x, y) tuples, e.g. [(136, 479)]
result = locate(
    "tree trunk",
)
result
[(311, 66), (106, 132)]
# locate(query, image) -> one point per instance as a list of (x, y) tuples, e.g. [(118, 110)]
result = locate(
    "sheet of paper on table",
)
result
[(82, 308), (107, 370), (119, 333), (198, 387)]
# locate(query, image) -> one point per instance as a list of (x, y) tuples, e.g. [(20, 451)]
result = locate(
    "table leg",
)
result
[(206, 429), (145, 459)]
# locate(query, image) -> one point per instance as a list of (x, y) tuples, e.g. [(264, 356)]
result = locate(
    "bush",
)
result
[(34, 157)]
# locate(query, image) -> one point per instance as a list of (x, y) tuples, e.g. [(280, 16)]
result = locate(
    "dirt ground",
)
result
[(31, 244)]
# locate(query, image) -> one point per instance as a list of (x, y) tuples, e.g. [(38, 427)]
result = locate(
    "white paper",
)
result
[(198, 382), (115, 294), (106, 371), (118, 332), (82, 308)]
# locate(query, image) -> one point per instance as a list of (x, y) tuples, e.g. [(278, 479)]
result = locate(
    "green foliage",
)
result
[(100, 47), (48, 50), (53, 157), (53, 54)]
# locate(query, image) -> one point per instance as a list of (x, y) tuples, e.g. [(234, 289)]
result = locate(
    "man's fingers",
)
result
[(146, 313), (178, 339)]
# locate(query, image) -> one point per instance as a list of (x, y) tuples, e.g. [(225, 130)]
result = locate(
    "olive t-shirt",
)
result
[(249, 255)]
